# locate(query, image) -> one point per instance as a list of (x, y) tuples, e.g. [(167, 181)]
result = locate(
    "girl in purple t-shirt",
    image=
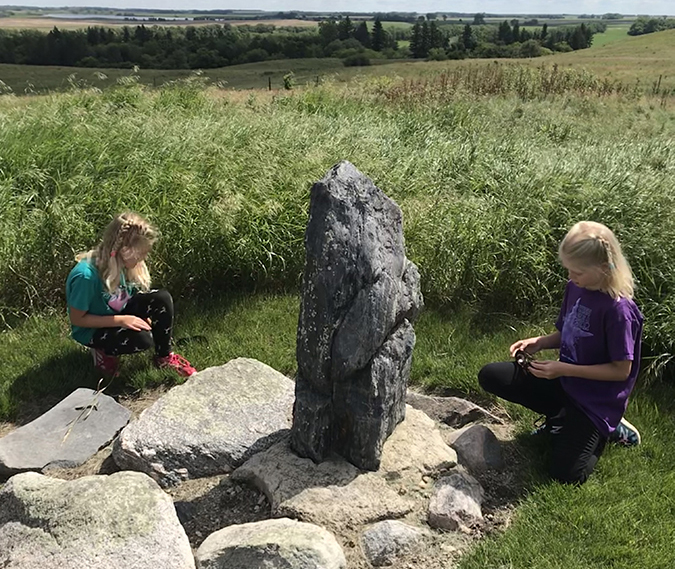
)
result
[(598, 332)]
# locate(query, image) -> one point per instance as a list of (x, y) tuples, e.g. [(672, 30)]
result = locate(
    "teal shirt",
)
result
[(85, 291)]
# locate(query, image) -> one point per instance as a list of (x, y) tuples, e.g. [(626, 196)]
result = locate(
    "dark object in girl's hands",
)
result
[(523, 359)]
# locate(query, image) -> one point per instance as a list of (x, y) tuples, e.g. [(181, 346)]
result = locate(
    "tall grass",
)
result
[(488, 179)]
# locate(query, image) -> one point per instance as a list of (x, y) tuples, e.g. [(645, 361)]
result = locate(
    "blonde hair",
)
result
[(127, 231), (592, 244)]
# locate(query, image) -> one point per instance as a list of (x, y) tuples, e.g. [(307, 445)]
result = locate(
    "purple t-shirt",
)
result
[(597, 329)]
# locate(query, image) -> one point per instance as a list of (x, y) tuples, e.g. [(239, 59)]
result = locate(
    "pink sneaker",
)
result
[(177, 363), (107, 365)]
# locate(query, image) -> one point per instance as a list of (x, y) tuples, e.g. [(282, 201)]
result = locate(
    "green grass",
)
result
[(621, 518)]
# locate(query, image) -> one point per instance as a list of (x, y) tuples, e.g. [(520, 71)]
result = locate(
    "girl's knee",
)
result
[(143, 341), (487, 377), (161, 297)]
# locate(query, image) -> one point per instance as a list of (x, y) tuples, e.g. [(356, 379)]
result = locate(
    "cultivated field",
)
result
[(42, 23)]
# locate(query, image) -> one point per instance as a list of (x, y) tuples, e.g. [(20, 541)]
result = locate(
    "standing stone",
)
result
[(355, 337)]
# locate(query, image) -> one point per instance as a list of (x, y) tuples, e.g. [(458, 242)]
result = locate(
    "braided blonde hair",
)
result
[(127, 231), (592, 244)]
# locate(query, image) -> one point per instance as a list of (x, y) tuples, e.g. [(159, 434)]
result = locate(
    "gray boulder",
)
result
[(123, 521), (355, 338), (478, 448), (456, 503), (386, 540), (66, 436), (271, 544), (209, 425)]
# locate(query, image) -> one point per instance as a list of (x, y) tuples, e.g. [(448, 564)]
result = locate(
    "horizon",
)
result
[(496, 7)]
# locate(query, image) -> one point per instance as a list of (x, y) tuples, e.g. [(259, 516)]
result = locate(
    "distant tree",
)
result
[(516, 31), (468, 39), (432, 16), (479, 19), (378, 37), (345, 29), (362, 34), (544, 31), (504, 33), (328, 30)]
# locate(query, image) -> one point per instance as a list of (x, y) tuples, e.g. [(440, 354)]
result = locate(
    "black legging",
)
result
[(578, 445), (156, 305)]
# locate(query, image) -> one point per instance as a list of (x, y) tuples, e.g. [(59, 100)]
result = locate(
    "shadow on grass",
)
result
[(40, 388)]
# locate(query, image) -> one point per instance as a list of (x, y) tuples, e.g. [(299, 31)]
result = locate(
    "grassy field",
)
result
[(641, 59), (39, 79), (621, 518)]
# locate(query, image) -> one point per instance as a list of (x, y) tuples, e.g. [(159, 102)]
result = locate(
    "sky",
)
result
[(652, 7)]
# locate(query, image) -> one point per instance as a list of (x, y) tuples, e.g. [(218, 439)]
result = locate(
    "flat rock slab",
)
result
[(121, 521), (334, 493), (271, 544), (415, 449), (66, 436), (209, 425), (452, 411)]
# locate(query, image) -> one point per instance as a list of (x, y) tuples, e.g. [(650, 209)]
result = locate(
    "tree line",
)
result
[(508, 39), (157, 47), (190, 47), (646, 25)]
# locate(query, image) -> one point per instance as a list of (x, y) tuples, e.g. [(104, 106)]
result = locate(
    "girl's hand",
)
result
[(134, 323), (530, 345), (546, 369)]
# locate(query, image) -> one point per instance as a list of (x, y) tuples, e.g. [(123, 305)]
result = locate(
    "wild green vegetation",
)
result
[(229, 181)]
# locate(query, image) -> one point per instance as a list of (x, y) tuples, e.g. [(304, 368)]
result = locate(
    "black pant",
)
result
[(578, 445), (157, 305)]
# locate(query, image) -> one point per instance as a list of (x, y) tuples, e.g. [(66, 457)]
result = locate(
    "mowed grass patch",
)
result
[(611, 35), (620, 518)]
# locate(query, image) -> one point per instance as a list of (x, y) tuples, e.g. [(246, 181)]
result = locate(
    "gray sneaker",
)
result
[(625, 435)]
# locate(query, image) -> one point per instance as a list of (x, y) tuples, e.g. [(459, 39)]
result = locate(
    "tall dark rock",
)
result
[(355, 335)]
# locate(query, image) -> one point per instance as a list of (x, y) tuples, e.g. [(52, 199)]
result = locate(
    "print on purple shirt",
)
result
[(597, 329)]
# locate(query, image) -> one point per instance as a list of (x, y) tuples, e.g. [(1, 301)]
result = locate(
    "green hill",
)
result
[(639, 58)]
